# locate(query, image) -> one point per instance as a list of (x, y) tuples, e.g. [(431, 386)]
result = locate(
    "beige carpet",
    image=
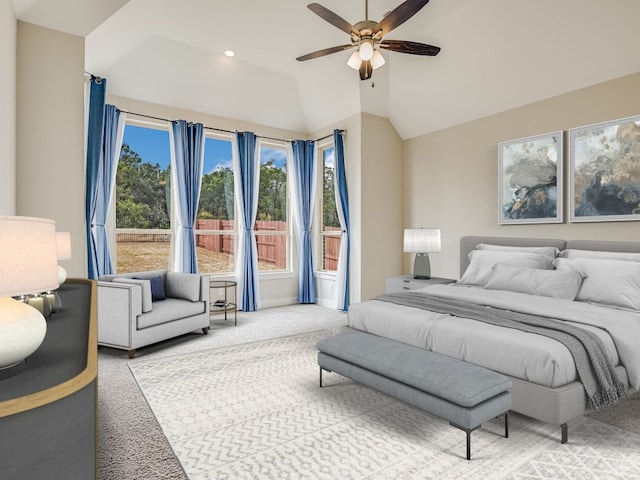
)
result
[(256, 411)]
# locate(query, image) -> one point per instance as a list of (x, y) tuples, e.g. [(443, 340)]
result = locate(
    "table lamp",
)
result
[(28, 265), (63, 248), (422, 241)]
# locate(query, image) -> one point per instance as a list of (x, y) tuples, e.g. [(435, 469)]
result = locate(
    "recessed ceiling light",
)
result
[(229, 53)]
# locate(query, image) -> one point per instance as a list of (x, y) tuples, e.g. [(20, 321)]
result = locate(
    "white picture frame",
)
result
[(530, 179)]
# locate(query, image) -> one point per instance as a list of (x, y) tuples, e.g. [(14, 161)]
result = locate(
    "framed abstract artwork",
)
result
[(605, 171), (530, 179)]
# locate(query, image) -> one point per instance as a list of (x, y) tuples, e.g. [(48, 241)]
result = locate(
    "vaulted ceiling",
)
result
[(496, 55)]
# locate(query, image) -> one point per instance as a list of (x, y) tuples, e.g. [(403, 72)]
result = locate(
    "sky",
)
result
[(153, 147)]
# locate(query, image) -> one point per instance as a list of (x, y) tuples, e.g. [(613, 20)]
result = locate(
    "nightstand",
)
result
[(404, 283)]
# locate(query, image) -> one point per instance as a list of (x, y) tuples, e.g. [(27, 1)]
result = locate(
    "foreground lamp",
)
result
[(28, 265), (422, 242)]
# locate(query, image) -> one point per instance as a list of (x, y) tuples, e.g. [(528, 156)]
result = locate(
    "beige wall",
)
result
[(381, 203), (373, 155), (451, 176), (49, 137), (8, 33)]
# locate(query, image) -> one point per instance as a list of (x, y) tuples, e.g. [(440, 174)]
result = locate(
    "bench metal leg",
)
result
[(321, 369), (468, 432), (506, 425)]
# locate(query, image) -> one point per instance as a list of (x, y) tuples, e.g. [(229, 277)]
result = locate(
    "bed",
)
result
[(583, 286)]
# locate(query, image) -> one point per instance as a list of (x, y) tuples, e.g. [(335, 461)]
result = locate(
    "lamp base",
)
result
[(22, 330), (422, 267)]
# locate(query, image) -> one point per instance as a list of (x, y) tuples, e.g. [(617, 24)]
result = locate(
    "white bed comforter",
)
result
[(523, 355)]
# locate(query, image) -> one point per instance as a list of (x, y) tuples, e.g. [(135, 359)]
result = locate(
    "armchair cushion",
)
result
[(147, 299), (157, 288), (183, 285)]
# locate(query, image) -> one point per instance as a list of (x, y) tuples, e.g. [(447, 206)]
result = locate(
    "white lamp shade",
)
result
[(28, 256), (366, 50), (422, 240), (354, 60), (63, 245), (377, 60)]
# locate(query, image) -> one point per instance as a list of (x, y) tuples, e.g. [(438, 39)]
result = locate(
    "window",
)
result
[(142, 200), (329, 223), (272, 225), (143, 204), (215, 222)]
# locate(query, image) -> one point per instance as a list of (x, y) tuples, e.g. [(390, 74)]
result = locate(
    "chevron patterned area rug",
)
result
[(255, 411)]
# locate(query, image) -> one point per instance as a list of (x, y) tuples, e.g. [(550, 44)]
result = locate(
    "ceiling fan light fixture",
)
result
[(354, 60), (366, 50), (377, 60)]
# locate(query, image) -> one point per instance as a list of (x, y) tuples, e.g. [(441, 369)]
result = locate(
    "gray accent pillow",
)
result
[(547, 283), (183, 285), (147, 303), (481, 263)]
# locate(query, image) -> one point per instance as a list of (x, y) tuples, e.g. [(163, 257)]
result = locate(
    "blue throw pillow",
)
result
[(157, 289)]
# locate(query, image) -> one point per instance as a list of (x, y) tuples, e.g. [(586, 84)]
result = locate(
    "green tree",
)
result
[(216, 195), (329, 211), (141, 192), (272, 199)]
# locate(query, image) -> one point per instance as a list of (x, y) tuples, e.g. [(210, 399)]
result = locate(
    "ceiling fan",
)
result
[(367, 35)]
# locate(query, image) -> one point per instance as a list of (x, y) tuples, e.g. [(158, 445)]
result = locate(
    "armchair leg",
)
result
[(132, 353), (205, 330)]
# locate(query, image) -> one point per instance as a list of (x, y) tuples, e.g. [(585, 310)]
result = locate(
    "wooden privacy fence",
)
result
[(272, 249)]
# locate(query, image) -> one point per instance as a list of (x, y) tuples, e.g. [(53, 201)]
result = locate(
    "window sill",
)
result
[(325, 275)]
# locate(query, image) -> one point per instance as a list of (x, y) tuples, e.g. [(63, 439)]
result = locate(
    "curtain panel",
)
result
[(247, 183), (104, 141), (304, 173), (187, 160), (342, 206)]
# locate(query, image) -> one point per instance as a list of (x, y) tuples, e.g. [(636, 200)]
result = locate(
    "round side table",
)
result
[(224, 304)]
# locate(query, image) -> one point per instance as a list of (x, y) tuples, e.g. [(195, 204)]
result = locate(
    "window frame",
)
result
[(288, 271), (318, 222), (234, 233), (111, 227)]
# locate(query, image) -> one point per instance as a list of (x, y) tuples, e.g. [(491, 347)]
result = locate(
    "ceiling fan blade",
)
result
[(398, 16), (365, 70), (323, 52), (414, 48), (333, 19)]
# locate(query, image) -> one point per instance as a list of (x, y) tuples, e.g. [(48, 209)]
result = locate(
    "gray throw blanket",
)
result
[(597, 374)]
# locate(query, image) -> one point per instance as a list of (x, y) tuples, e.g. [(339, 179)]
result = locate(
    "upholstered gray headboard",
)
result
[(469, 243)]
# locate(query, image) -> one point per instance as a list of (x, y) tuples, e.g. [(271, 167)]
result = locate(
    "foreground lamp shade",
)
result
[(28, 265), (422, 241)]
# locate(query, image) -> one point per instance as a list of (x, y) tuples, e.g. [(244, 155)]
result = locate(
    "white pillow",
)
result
[(146, 290), (551, 252), (547, 283), (573, 253), (481, 263), (183, 285), (614, 283)]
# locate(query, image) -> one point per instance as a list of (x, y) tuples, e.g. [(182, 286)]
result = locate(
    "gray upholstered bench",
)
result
[(466, 395)]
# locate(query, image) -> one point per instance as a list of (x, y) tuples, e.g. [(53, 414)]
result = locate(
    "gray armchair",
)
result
[(132, 312)]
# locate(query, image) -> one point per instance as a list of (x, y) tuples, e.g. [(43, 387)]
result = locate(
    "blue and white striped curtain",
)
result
[(342, 206), (187, 160), (104, 142), (304, 191), (247, 183)]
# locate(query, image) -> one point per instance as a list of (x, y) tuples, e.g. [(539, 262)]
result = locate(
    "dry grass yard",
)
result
[(139, 256)]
